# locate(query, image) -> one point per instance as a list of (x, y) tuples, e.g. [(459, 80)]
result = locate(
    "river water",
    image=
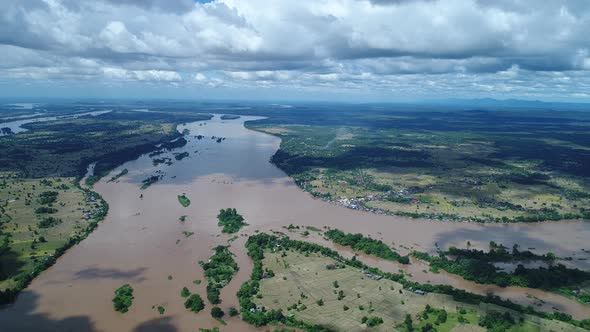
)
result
[(17, 125), (141, 240)]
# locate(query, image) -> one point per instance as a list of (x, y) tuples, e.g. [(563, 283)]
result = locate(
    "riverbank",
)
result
[(141, 242)]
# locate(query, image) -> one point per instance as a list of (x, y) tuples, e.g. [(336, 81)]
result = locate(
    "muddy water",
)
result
[(141, 241), (418, 271)]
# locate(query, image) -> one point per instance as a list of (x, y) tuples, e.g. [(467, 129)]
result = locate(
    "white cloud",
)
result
[(443, 45)]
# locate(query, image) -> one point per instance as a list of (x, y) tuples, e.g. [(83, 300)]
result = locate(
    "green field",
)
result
[(300, 281), (36, 224), (308, 286), (457, 174)]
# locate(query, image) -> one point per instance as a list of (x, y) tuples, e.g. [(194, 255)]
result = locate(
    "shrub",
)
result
[(233, 312), (216, 312), (123, 298), (194, 303)]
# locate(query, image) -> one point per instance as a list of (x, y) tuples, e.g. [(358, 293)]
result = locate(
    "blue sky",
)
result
[(343, 50)]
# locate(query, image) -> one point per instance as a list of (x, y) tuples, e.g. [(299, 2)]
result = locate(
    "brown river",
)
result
[(141, 242)]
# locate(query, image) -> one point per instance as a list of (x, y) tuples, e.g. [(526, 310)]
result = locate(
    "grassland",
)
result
[(478, 265), (304, 288), (461, 168), (32, 243), (311, 287)]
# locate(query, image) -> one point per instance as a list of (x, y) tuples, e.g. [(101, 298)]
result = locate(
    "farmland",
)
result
[(38, 218), (317, 289), (463, 167)]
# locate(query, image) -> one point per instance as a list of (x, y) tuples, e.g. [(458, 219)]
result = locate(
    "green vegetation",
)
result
[(366, 245), (118, 175), (504, 166), (161, 310), (45, 210), (180, 156), (497, 321), (48, 222), (217, 313), (185, 292), (39, 220), (64, 148), (39, 173), (313, 229), (194, 303), (476, 265), (158, 161), (183, 200), (230, 220), (123, 298), (233, 312), (229, 117), (282, 265), (146, 183), (432, 319), (372, 321), (219, 271), (47, 197), (215, 329)]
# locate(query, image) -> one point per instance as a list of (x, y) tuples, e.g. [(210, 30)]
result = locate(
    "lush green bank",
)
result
[(264, 244), (457, 165), (30, 240)]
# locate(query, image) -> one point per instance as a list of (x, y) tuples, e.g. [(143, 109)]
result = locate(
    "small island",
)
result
[(123, 298), (219, 270), (229, 117), (150, 180), (180, 156), (120, 174), (230, 220), (183, 200)]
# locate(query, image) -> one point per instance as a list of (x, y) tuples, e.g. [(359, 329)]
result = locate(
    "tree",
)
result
[(123, 298), (216, 312), (185, 292), (408, 323), (194, 303), (442, 317), (427, 328)]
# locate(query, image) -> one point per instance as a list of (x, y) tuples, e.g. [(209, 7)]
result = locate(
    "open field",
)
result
[(34, 229), (305, 287), (460, 168)]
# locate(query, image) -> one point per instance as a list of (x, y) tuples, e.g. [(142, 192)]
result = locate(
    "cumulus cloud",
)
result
[(444, 46)]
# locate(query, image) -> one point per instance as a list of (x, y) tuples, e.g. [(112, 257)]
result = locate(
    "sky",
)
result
[(340, 50)]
